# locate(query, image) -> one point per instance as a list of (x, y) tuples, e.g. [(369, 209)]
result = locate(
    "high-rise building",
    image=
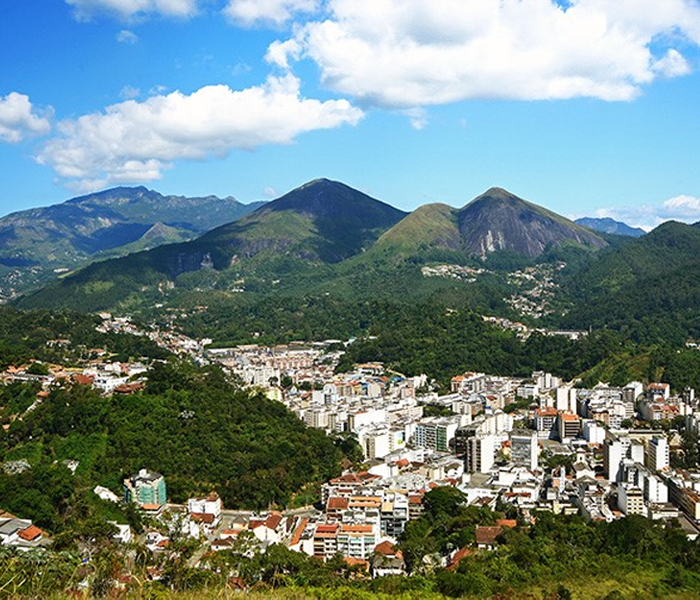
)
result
[(630, 500), (545, 422), (480, 454), (568, 426), (614, 450), (436, 432), (525, 449), (657, 454), (145, 488)]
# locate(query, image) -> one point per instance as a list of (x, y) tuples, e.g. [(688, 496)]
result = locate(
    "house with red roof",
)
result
[(387, 560)]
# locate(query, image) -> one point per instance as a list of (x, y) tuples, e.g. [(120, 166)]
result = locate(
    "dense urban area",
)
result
[(495, 453)]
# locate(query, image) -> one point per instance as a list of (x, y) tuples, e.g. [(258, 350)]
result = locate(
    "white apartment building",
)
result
[(630, 500), (525, 450), (480, 454), (658, 454)]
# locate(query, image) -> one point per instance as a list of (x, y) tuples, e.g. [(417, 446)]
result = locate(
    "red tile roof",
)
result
[(337, 503), (487, 535), (296, 537), (356, 562), (356, 528), (507, 523), (273, 521), (207, 518), (30, 533), (459, 555), (388, 549)]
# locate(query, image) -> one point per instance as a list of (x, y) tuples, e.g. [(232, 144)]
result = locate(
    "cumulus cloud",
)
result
[(681, 208), (128, 9), (19, 119), (404, 54), (647, 216), (277, 12), (127, 37), (135, 141)]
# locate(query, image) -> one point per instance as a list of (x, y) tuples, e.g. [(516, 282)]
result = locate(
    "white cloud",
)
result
[(647, 216), (127, 37), (673, 64), (410, 53), (19, 119), (270, 192), (277, 12), (418, 117), (134, 141), (681, 208), (129, 92), (128, 9)]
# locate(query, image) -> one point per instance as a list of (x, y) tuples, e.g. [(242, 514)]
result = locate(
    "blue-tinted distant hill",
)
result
[(608, 225), (36, 244)]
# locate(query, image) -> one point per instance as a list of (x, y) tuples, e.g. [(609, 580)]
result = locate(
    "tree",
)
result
[(689, 447)]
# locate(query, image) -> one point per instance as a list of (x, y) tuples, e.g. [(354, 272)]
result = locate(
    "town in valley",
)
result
[(516, 445)]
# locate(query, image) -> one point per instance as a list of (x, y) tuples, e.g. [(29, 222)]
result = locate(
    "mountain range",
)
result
[(608, 225), (325, 224), (36, 243), (494, 221), (327, 239)]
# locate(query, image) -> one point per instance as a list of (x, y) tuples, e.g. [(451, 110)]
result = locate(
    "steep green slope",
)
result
[(668, 247), (320, 223), (190, 424), (649, 287), (323, 221), (429, 226)]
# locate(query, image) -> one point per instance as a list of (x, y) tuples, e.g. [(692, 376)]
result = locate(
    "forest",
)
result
[(24, 336), (192, 424)]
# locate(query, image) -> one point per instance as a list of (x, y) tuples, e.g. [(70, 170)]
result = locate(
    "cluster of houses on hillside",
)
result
[(535, 443)]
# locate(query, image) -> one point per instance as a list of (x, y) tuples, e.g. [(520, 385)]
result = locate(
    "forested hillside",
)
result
[(190, 424), (27, 335)]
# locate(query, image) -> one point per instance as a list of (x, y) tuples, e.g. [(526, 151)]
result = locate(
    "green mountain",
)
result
[(320, 223), (668, 247), (37, 244), (649, 286), (495, 221), (608, 225)]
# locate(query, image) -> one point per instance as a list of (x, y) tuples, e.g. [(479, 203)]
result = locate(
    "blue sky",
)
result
[(588, 107)]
